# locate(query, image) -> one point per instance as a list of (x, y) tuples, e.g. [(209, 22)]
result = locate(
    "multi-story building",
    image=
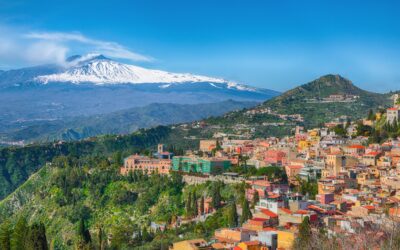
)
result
[(392, 115), (194, 164), (145, 164)]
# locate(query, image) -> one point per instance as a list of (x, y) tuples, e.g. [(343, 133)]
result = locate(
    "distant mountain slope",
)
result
[(122, 122), (94, 85), (312, 100), (311, 104)]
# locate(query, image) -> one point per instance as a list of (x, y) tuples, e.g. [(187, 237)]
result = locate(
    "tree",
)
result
[(189, 205), (246, 213), (5, 235), (36, 238), (304, 233), (146, 236), (195, 206), (256, 199), (232, 214), (216, 195), (202, 205), (371, 115), (84, 233), (19, 233), (100, 237)]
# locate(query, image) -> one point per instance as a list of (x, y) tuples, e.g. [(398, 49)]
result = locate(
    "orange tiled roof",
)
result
[(295, 167), (285, 210), (269, 213), (251, 243)]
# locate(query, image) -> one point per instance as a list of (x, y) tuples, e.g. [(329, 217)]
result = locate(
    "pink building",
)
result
[(276, 157), (146, 164)]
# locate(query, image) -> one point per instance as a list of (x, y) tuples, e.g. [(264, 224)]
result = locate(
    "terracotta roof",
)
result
[(295, 167), (373, 153), (301, 212), (285, 210), (269, 213), (393, 109), (369, 207), (251, 243), (356, 146)]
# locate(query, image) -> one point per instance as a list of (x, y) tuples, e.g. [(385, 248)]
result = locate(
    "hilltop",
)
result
[(319, 101)]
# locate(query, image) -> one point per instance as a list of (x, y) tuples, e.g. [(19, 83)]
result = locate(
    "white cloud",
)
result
[(111, 49), (19, 47)]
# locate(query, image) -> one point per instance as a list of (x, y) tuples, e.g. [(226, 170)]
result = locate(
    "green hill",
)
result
[(308, 105)]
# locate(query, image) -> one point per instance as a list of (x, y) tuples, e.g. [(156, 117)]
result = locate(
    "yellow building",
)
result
[(196, 244), (251, 245), (286, 239)]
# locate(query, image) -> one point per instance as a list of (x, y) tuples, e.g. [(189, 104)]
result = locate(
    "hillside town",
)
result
[(344, 184)]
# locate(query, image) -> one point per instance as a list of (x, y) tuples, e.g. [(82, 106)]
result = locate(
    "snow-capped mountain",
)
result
[(100, 70), (93, 84)]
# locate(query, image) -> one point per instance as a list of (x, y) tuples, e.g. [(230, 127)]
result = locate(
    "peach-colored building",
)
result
[(275, 157), (146, 164)]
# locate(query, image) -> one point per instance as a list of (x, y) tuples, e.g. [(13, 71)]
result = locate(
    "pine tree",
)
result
[(5, 235), (202, 205), (256, 199), (19, 234), (246, 213), (232, 214)]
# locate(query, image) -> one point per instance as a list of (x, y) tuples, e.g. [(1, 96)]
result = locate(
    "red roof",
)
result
[(301, 212), (393, 109), (251, 243), (295, 167), (269, 213), (357, 146), (369, 207), (259, 219), (285, 210), (373, 153)]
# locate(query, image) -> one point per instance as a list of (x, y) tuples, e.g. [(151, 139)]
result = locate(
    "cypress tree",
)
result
[(36, 238), (216, 196), (304, 233), (189, 204), (202, 205), (246, 213), (5, 235), (195, 207), (84, 233), (19, 234), (100, 234), (256, 199), (232, 215)]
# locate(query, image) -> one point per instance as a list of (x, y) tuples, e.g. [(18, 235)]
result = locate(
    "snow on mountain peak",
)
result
[(99, 70)]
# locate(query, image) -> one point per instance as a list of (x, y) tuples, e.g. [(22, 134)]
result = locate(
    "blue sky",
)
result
[(270, 44)]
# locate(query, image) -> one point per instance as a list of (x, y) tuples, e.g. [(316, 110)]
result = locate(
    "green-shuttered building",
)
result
[(200, 165)]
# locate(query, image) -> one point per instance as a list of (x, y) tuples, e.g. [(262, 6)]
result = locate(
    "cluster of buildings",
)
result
[(334, 98), (357, 185), (358, 190)]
